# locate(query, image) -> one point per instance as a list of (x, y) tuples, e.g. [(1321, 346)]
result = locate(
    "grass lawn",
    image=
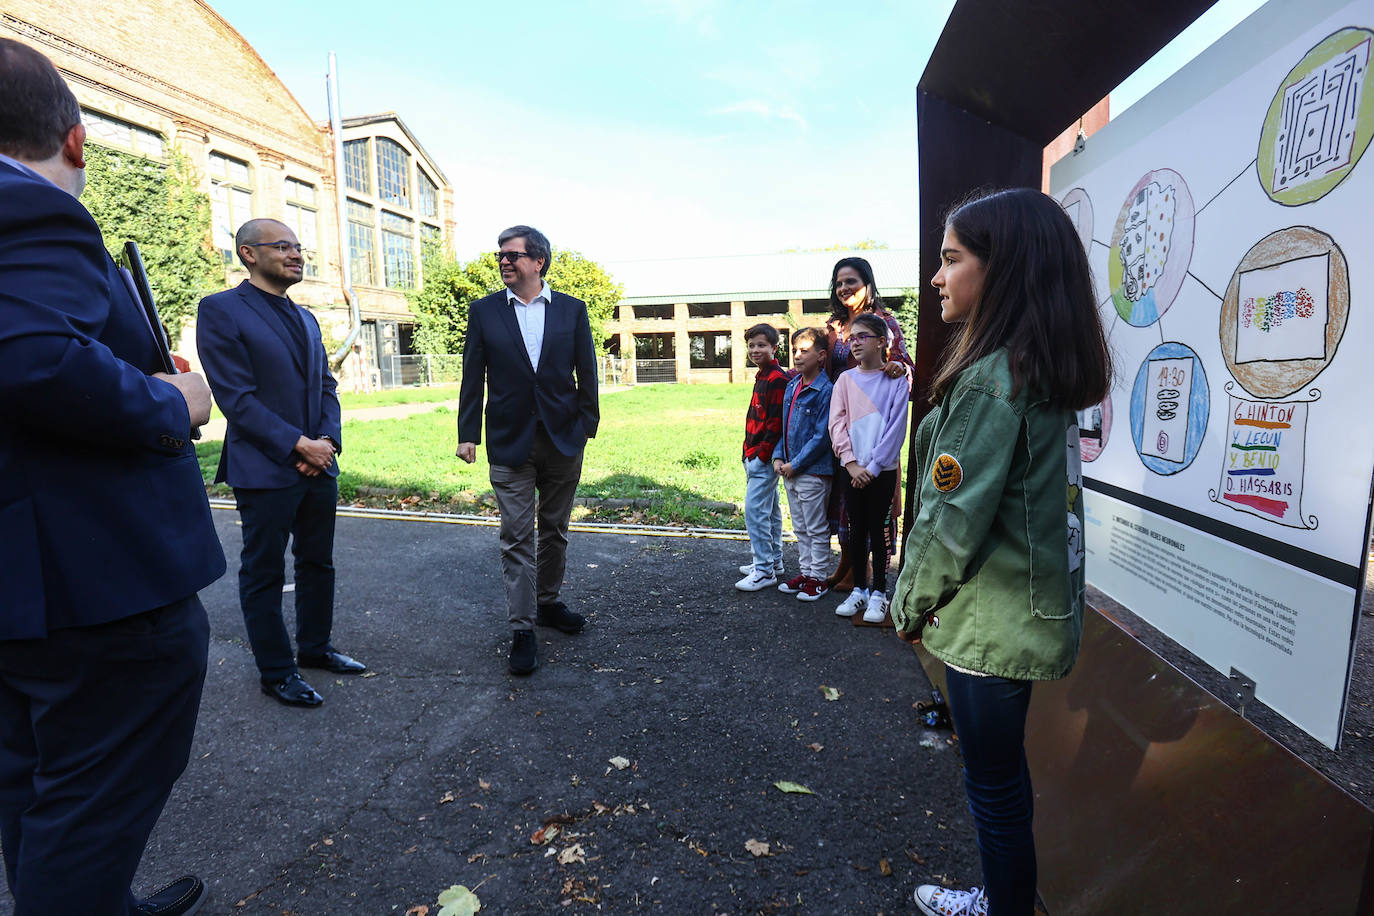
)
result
[(674, 447), (350, 401)]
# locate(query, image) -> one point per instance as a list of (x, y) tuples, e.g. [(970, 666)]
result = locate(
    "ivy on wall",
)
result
[(161, 207)]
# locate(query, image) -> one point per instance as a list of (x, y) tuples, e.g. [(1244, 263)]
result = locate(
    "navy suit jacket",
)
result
[(103, 512), (561, 395), (270, 392)]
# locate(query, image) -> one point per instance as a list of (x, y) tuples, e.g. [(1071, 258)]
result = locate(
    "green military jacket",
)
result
[(996, 548)]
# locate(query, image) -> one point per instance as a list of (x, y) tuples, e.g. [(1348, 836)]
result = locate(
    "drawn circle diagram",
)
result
[(1080, 210), (1096, 419), (1320, 121), (1285, 311), (1169, 405), (1152, 245)]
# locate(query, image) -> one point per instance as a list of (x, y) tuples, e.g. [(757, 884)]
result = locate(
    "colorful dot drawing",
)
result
[(1151, 247)]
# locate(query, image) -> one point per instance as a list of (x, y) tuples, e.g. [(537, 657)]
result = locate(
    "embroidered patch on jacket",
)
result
[(947, 474)]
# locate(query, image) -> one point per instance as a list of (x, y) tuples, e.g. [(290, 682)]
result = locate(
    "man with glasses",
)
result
[(265, 360), (105, 534), (532, 349)]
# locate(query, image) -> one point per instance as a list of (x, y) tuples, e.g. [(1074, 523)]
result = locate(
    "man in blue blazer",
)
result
[(105, 534), (265, 360), (532, 351)]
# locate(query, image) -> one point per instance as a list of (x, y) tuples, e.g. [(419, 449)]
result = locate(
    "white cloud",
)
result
[(762, 109)]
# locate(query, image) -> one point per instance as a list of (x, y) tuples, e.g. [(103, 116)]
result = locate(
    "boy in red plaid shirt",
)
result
[(762, 430)]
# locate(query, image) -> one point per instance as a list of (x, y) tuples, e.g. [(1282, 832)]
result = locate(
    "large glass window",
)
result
[(398, 250), (357, 169), (710, 350), (304, 218), (393, 172), (231, 201), (427, 194), (361, 248), (109, 131)]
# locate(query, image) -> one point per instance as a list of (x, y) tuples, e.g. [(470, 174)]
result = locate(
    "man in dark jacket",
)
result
[(532, 350)]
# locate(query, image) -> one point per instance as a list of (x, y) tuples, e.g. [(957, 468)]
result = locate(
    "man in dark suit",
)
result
[(265, 360), (532, 349), (105, 534)]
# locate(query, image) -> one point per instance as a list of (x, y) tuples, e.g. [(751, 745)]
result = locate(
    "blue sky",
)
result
[(632, 129)]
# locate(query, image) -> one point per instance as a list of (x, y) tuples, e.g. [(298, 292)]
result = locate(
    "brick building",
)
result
[(683, 319), (154, 73)]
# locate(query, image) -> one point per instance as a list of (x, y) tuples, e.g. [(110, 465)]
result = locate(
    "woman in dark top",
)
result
[(853, 291)]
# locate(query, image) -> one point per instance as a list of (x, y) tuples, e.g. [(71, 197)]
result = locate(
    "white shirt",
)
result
[(530, 317)]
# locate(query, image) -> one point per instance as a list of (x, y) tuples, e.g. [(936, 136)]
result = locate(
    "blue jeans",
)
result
[(989, 716), (763, 514)]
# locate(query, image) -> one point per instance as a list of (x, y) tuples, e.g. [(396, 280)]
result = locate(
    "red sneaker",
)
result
[(792, 585), (812, 589)]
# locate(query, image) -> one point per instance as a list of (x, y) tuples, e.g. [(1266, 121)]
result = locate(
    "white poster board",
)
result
[(1228, 495)]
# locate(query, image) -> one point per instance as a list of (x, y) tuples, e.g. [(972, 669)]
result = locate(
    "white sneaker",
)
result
[(853, 604), (747, 568), (941, 901), (877, 607), (756, 580)]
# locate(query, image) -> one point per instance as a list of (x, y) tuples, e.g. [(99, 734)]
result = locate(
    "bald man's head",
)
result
[(259, 230)]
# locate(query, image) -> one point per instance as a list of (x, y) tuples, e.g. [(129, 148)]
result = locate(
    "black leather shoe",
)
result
[(333, 661), (292, 690), (524, 653), (558, 616), (180, 898)]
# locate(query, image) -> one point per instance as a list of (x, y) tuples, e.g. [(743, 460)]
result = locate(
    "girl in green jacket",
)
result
[(993, 581)]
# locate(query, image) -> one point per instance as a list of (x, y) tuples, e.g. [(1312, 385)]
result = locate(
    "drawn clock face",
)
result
[(1169, 406), (1152, 246), (1320, 121)]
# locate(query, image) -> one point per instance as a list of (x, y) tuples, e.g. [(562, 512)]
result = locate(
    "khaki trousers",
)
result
[(540, 490)]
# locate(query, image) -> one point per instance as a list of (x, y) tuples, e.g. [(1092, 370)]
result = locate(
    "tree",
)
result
[(159, 206), (906, 313), (441, 304)]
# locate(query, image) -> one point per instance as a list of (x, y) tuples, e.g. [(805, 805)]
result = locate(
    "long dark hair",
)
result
[(872, 302), (1037, 300)]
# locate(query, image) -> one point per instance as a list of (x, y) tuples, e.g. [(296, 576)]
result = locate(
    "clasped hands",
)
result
[(859, 475), (314, 456)]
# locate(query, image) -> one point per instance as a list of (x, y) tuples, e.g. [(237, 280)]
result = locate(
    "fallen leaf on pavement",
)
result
[(418, 910), (544, 834), (816, 747), (483, 784), (757, 848), (830, 693), (374, 674), (574, 853), (619, 763), (793, 787), (447, 797), (885, 868), (458, 901)]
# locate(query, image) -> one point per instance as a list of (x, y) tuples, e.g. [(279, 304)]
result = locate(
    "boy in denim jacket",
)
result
[(802, 459)]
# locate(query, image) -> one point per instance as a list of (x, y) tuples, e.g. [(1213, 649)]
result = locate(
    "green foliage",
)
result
[(582, 277), (906, 317), (441, 304), (162, 209)]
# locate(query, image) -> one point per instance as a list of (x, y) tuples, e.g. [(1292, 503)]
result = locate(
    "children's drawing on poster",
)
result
[(1095, 428), (1266, 448), (1169, 406), (1320, 120), (1152, 245), (1079, 207), (1074, 496), (1285, 311)]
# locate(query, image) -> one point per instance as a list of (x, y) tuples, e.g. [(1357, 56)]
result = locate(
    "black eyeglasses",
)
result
[(512, 256), (283, 247)]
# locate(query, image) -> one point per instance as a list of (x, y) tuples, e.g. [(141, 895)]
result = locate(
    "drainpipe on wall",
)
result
[(341, 218)]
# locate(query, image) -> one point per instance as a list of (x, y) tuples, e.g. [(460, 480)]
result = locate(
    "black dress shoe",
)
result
[(333, 661), (292, 690), (524, 653), (180, 898), (558, 616)]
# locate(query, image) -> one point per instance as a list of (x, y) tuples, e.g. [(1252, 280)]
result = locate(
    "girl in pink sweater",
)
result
[(867, 425)]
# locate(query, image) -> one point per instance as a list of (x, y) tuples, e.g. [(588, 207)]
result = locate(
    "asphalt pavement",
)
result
[(652, 742)]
